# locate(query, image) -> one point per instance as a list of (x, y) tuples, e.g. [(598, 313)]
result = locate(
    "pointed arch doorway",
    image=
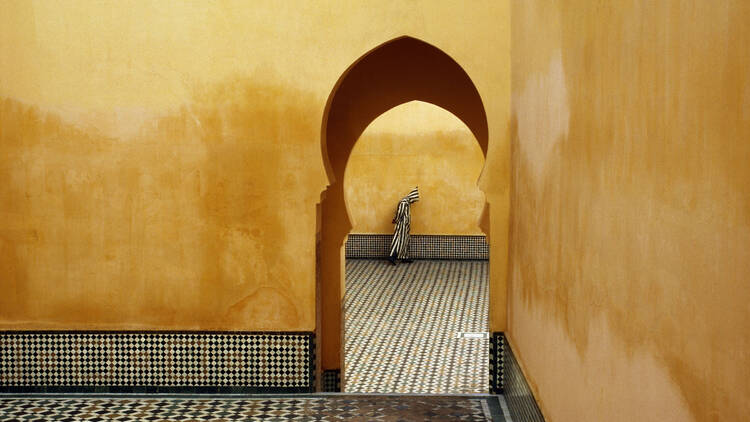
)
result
[(396, 72)]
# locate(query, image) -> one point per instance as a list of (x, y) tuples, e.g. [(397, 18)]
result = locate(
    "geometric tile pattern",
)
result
[(421, 246), (497, 362), (401, 326), (521, 403), (280, 360), (331, 382), (333, 408)]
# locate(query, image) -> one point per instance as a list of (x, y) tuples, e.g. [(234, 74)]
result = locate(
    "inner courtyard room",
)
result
[(205, 207), (403, 322)]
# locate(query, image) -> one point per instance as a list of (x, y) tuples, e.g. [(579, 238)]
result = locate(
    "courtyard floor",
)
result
[(402, 324), (320, 407)]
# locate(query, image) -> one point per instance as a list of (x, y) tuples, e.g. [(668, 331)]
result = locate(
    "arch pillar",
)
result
[(398, 71)]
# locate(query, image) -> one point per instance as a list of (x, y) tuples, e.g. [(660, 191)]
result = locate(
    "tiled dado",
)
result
[(497, 362), (331, 381), (192, 362), (507, 378), (421, 246)]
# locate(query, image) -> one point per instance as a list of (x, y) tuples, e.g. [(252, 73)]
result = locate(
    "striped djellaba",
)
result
[(402, 220)]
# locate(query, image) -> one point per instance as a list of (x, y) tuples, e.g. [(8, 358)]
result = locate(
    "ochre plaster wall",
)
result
[(161, 162), (629, 261), (416, 144)]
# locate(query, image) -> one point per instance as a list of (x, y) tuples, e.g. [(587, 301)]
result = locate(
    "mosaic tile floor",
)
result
[(216, 409), (401, 326)]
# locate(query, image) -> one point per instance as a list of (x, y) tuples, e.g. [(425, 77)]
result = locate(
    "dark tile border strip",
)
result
[(421, 246), (331, 381), (44, 361), (311, 363), (497, 362), (521, 402), (496, 411)]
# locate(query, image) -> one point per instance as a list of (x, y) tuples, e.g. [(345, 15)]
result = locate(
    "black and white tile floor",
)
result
[(271, 408), (402, 322)]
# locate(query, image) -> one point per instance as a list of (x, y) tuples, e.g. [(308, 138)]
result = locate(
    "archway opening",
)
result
[(415, 143), (396, 72), (401, 322)]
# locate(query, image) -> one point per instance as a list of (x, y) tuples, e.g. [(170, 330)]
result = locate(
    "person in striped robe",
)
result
[(402, 220)]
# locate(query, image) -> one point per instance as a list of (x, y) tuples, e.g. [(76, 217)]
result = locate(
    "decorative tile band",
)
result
[(331, 381), (302, 407), (249, 362), (497, 362), (421, 246), (518, 395)]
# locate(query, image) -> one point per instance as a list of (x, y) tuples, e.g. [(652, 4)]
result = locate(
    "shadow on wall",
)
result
[(184, 226)]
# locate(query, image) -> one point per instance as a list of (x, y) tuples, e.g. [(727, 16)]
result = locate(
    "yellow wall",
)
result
[(631, 208), (415, 144), (161, 162)]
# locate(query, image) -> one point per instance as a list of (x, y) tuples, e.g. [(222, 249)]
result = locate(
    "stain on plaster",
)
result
[(167, 229), (638, 216)]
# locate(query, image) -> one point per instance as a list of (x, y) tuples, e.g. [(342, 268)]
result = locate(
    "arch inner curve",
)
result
[(399, 71)]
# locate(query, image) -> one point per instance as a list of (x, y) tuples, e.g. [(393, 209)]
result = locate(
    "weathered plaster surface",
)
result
[(160, 163), (173, 227), (631, 208)]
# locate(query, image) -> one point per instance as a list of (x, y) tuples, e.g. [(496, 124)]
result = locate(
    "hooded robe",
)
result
[(402, 220)]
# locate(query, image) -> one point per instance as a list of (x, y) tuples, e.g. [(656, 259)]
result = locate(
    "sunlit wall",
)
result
[(161, 162), (631, 208), (416, 144)]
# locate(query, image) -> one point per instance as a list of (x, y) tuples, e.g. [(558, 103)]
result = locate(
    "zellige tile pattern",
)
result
[(72, 360), (421, 246), (331, 381), (497, 362), (331, 408), (401, 326)]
